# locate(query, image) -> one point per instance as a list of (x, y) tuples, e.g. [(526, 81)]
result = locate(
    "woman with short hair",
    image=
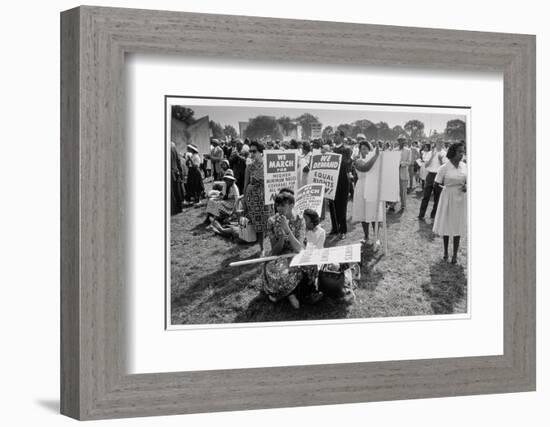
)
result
[(451, 216), (363, 210)]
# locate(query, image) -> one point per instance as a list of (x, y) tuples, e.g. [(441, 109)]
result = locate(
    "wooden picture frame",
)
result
[(94, 41)]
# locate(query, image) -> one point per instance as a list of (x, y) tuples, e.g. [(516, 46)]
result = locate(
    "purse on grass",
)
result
[(247, 233)]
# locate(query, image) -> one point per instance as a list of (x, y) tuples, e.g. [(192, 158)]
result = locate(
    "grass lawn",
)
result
[(412, 279)]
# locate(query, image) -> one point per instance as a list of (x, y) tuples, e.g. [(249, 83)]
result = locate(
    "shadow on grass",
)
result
[(260, 309), (219, 283), (425, 231), (446, 287)]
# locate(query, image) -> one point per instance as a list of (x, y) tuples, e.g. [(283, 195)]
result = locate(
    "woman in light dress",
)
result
[(363, 210), (451, 216)]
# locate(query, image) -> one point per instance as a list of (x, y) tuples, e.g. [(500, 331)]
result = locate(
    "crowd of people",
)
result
[(436, 169)]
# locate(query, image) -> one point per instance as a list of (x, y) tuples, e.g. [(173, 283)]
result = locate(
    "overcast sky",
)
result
[(232, 115)]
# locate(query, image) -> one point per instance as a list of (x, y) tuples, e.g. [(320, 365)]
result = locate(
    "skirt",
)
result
[(451, 216)]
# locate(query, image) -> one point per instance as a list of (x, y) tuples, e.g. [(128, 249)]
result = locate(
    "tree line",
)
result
[(263, 126)]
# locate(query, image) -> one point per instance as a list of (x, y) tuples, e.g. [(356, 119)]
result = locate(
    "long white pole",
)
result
[(378, 194), (259, 260)]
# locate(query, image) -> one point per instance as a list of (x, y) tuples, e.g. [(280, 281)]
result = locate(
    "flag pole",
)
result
[(377, 207)]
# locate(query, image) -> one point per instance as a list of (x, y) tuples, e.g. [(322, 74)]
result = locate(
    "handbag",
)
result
[(331, 281), (247, 233)]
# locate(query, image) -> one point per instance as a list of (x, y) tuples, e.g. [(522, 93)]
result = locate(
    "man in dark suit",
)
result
[(339, 207)]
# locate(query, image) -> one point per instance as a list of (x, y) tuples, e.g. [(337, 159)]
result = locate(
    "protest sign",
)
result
[(280, 171), (316, 130), (309, 197), (387, 178), (324, 170), (334, 255)]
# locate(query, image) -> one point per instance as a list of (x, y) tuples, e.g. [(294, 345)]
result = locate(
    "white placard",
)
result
[(324, 170), (309, 196), (334, 255), (280, 171), (384, 173)]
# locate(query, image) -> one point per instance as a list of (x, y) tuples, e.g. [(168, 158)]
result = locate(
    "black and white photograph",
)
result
[(285, 211)]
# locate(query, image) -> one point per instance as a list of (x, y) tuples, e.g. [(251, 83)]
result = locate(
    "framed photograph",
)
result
[(338, 212)]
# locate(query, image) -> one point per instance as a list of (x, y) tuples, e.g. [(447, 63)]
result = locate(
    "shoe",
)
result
[(420, 218), (445, 258), (342, 236), (315, 297), (332, 232), (453, 259), (294, 301)]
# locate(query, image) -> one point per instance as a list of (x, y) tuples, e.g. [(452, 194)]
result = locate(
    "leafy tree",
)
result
[(347, 128), (286, 124), (327, 133), (217, 130), (306, 120), (396, 131), (230, 131), (184, 114), (456, 129), (415, 129), (384, 131), (262, 126)]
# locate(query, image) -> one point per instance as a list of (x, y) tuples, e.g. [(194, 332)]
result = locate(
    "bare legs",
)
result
[(260, 237), (365, 226), (456, 244)]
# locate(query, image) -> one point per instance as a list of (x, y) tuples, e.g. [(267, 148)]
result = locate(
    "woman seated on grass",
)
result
[(285, 232), (315, 234), (219, 209)]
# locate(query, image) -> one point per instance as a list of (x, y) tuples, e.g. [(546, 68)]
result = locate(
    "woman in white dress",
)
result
[(451, 216), (363, 210)]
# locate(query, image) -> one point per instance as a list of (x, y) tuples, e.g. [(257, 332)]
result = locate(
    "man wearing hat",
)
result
[(216, 156), (195, 186)]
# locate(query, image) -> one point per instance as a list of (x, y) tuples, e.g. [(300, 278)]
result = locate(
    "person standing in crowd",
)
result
[(303, 164), (363, 210), (228, 148), (435, 160), (237, 163), (176, 182), (425, 154), (403, 170), (286, 233), (195, 186), (451, 217), (413, 167), (216, 156), (254, 193), (339, 206)]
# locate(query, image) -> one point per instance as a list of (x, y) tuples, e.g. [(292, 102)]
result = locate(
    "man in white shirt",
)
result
[(437, 159)]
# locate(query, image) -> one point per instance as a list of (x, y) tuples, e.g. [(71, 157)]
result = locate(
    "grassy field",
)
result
[(412, 279)]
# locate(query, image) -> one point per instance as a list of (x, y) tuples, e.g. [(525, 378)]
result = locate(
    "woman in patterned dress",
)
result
[(254, 204), (451, 216), (285, 230)]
